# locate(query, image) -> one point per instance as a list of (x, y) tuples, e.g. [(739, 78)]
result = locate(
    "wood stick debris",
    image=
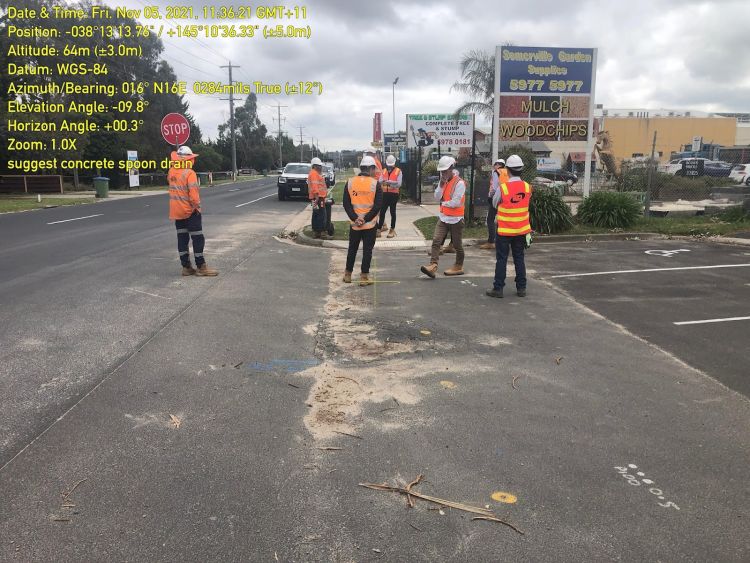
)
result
[(484, 513), (513, 384), (347, 434), (349, 378), (293, 385), (493, 519), (558, 360), (175, 421), (329, 448)]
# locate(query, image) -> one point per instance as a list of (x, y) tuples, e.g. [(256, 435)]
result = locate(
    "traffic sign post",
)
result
[(175, 128)]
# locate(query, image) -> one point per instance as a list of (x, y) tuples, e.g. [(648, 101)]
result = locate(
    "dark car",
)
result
[(293, 180), (717, 169), (558, 175)]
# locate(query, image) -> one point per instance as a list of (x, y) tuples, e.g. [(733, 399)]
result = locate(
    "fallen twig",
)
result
[(493, 519), (329, 448), (558, 360), (347, 434), (349, 378), (176, 421), (66, 496), (484, 513), (236, 366), (388, 409), (514, 381), (416, 481), (61, 519), (413, 526), (293, 385)]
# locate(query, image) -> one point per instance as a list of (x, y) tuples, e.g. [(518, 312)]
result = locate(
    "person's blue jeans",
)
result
[(503, 247)]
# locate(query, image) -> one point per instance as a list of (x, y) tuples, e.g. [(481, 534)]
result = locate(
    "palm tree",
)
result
[(478, 75)]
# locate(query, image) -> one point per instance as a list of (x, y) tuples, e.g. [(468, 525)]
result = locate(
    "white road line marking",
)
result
[(147, 293), (249, 202), (650, 270), (234, 190), (76, 219), (713, 321)]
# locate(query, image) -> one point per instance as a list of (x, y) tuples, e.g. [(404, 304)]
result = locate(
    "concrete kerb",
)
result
[(300, 221)]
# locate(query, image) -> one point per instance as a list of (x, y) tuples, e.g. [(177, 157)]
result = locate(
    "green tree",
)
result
[(477, 82), (527, 156)]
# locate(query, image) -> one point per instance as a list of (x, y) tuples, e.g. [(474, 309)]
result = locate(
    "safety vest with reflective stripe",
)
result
[(184, 197), (448, 195), (391, 176), (513, 209), (316, 185), (503, 176), (362, 195)]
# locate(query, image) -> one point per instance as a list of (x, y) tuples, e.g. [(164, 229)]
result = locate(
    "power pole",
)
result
[(301, 155), (281, 157), (231, 117)]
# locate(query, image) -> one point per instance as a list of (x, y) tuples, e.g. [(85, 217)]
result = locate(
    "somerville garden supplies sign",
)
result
[(427, 129), (545, 93)]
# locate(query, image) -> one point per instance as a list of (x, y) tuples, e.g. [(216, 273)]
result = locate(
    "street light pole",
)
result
[(394, 103)]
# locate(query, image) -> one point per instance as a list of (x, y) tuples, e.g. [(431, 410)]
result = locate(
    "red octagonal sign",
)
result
[(175, 129)]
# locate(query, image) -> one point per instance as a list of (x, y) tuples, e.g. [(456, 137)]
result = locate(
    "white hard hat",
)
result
[(445, 162), (370, 150), (514, 161), (367, 161), (316, 161), (185, 152), (499, 161), (390, 161)]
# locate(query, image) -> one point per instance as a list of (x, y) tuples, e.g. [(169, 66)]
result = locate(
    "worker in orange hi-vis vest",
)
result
[(513, 227), (451, 193), (498, 176), (317, 192), (362, 200), (185, 211), (391, 183)]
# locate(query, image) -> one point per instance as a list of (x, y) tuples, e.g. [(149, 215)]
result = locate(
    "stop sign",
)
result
[(175, 129)]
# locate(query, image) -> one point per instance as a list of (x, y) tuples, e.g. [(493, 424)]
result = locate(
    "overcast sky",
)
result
[(652, 53)]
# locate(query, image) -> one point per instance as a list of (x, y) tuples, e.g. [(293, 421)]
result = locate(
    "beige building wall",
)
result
[(743, 134), (634, 135)]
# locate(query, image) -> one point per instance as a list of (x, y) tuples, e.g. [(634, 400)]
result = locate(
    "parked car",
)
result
[(713, 168), (293, 180), (559, 175), (741, 174), (674, 166), (329, 174)]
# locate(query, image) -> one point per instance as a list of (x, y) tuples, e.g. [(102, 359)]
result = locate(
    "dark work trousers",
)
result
[(491, 226), (389, 202), (191, 227), (367, 237), (503, 246)]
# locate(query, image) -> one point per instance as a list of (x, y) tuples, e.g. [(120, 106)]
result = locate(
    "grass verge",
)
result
[(687, 226), (341, 230), (12, 204)]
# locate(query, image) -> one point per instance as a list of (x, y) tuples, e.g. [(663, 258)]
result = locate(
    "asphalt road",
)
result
[(258, 401), (85, 286), (690, 298)]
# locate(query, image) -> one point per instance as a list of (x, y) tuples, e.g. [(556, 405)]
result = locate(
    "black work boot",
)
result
[(521, 292), (494, 292)]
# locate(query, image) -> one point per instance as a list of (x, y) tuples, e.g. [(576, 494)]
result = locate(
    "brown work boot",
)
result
[(204, 270), (384, 228), (455, 270), (188, 271), (430, 270), (391, 233), (378, 233), (450, 249), (487, 246), (347, 276), (364, 279)]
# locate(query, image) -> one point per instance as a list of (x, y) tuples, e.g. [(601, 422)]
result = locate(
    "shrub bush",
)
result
[(735, 214), (527, 156), (549, 213), (610, 210)]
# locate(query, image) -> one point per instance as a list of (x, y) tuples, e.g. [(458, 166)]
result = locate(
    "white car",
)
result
[(675, 166), (741, 174)]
